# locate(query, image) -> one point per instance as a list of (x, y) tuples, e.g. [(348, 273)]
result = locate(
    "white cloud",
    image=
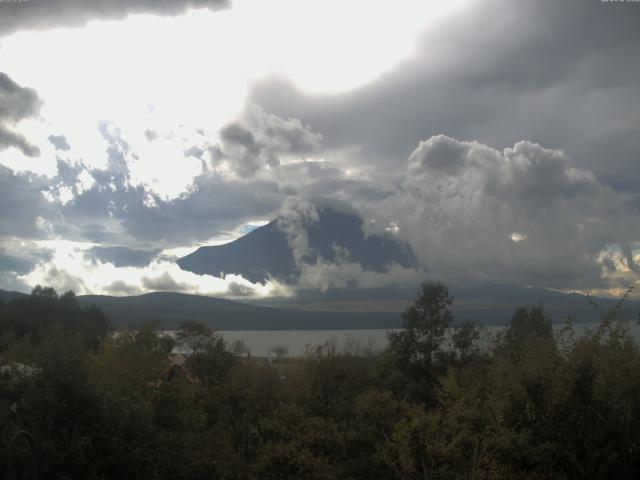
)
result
[(259, 141), (466, 209), (323, 275), (294, 218), (68, 269), (195, 70)]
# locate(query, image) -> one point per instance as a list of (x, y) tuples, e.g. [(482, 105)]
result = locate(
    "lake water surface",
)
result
[(261, 342)]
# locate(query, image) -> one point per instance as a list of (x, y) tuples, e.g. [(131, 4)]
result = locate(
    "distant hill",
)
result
[(340, 309), (496, 304), (265, 250), (487, 304), (8, 296), (170, 309)]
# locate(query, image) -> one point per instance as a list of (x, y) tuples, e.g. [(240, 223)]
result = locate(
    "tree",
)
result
[(417, 347), (280, 351), (33, 317), (208, 358), (239, 348), (528, 323), (44, 293), (464, 340)]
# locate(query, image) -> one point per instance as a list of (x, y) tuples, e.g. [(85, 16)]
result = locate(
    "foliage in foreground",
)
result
[(534, 404)]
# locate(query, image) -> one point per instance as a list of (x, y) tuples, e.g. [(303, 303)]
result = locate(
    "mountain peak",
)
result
[(336, 235)]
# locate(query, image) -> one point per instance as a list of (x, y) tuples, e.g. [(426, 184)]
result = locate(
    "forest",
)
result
[(437, 403)]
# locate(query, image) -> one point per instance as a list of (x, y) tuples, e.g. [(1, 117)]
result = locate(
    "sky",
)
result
[(498, 139)]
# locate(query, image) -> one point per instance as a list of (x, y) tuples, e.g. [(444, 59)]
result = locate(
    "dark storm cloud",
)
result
[(44, 14), (16, 103), (564, 74), (121, 256)]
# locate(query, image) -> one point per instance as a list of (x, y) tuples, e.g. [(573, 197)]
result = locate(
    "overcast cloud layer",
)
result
[(44, 14), (504, 150), (564, 74)]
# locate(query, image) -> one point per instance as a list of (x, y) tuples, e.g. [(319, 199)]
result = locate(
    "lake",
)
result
[(260, 342)]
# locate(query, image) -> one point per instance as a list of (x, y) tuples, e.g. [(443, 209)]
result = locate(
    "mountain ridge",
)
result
[(493, 305)]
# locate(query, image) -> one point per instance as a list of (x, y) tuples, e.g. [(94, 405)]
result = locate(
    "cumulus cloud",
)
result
[(16, 103), (67, 269), (43, 14), (261, 139), (59, 142), (462, 206)]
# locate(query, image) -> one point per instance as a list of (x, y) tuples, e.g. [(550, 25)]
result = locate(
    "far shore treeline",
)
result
[(77, 402)]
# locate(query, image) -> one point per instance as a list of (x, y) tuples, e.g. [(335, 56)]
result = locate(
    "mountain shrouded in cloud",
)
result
[(504, 162), (302, 238)]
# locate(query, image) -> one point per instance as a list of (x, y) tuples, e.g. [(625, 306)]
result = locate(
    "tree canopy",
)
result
[(440, 402)]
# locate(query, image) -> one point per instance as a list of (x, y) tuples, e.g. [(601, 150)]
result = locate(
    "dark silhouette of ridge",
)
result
[(6, 296), (170, 309), (257, 254)]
